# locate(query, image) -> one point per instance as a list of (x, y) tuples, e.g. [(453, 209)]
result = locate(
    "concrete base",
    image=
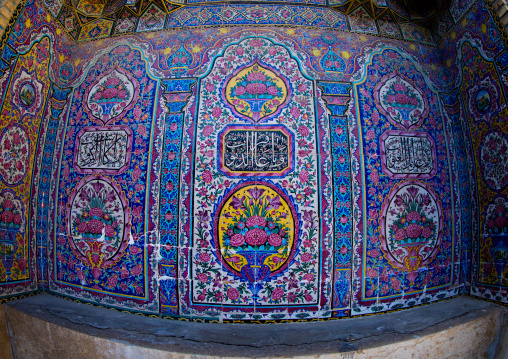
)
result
[(44, 326)]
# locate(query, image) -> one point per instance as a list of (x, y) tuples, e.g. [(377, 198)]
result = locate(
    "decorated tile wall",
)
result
[(479, 104), (250, 174), (30, 61)]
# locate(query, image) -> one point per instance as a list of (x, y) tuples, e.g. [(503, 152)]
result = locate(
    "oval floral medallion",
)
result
[(403, 104), (494, 163), (411, 226), (98, 219), (14, 155), (256, 92), (112, 95), (256, 231)]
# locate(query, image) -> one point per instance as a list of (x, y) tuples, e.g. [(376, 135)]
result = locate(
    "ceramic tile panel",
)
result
[(224, 172)]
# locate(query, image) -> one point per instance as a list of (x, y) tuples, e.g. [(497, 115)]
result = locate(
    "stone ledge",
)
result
[(45, 326)]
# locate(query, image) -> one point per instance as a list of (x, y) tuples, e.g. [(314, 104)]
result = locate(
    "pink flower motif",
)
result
[(272, 90), (414, 230), (256, 237), (237, 240), (399, 87), (500, 222), (309, 277), (137, 270), (95, 226), (17, 219), (109, 231), (274, 240), (235, 259), (426, 232), (402, 99), (371, 135), (374, 177), (134, 250), (210, 87), (239, 91), (304, 176), (395, 284), (239, 51), (22, 264), (306, 257), (414, 216), (256, 43), (16, 139), (142, 130), (372, 273), (256, 76), (204, 257), (112, 281), (255, 221), (233, 293), (96, 212), (202, 277), (400, 234), (8, 204), (272, 51), (113, 81), (277, 293), (97, 96), (375, 253), (375, 117), (207, 130), (82, 227), (207, 176), (390, 98), (136, 173), (110, 93), (295, 112), (256, 88), (304, 131), (216, 112)]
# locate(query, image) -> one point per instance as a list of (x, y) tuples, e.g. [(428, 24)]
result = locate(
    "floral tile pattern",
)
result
[(102, 226), (238, 173)]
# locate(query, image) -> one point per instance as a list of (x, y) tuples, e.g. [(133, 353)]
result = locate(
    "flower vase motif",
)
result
[(111, 95), (98, 223), (255, 233), (12, 225), (411, 227), (494, 159), (14, 155), (403, 104), (256, 92), (8, 249), (495, 240), (257, 245)]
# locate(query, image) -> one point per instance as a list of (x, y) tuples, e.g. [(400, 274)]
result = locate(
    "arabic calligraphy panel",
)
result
[(249, 150), (103, 149), (408, 154)]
